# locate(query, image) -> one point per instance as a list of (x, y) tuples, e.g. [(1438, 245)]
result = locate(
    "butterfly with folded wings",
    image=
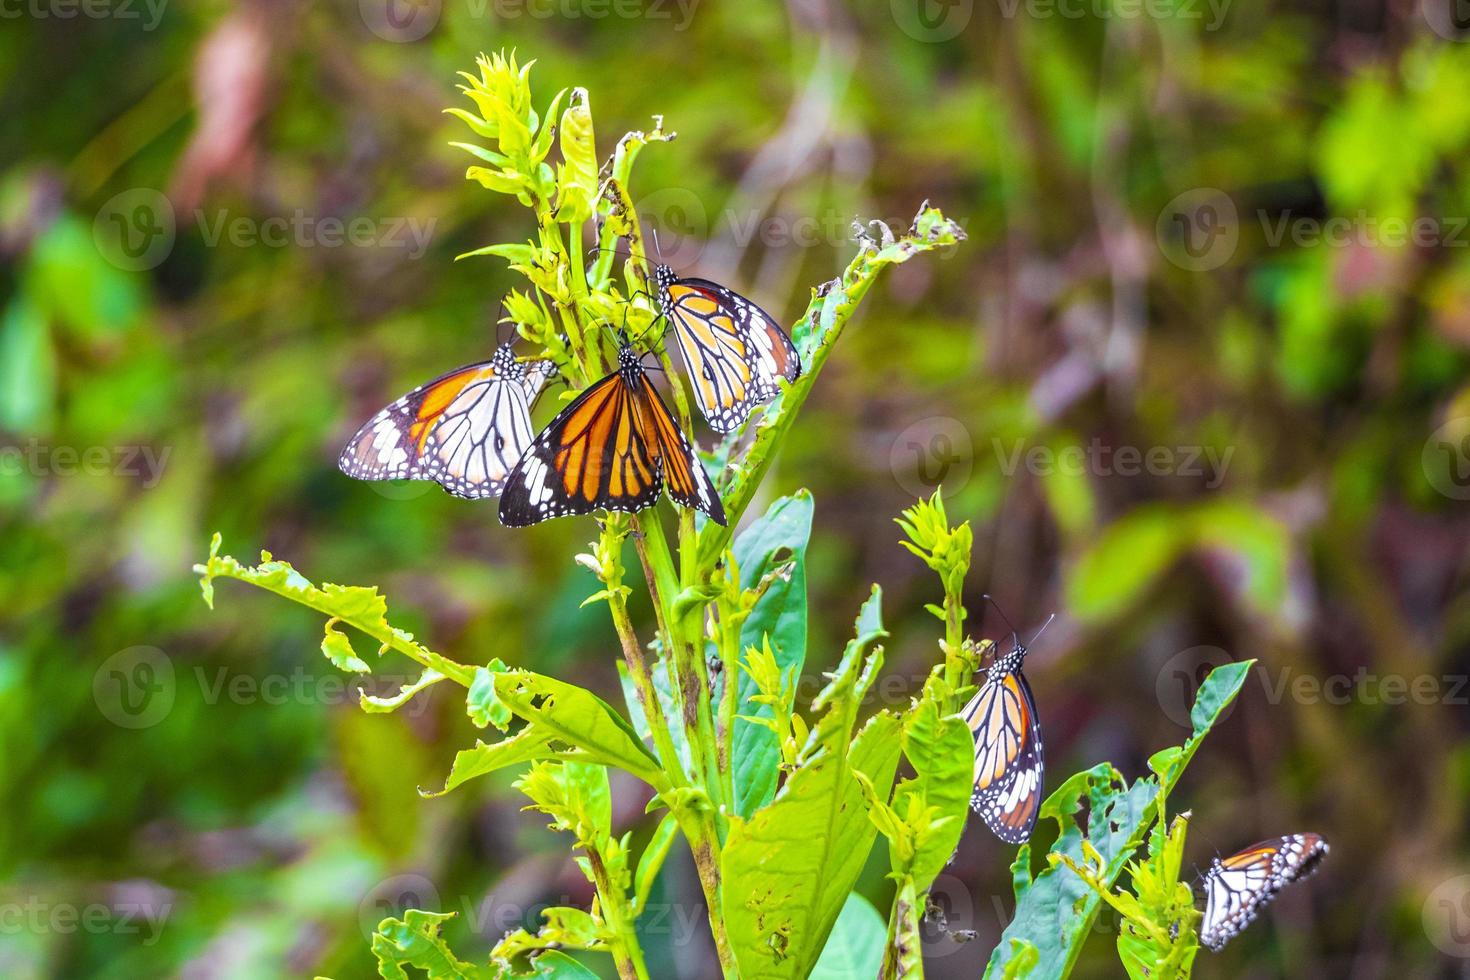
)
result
[(465, 430), (735, 352)]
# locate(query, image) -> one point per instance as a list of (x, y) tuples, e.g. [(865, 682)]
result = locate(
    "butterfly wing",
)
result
[(464, 430), (716, 354), (538, 375), (1009, 768), (1238, 887), (685, 479), (592, 456)]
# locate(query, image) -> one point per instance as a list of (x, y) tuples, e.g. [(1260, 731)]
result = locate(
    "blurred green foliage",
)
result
[(212, 771)]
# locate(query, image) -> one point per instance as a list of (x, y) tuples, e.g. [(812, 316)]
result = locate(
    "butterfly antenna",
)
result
[(657, 250), (1015, 637), (499, 321), (1043, 628)]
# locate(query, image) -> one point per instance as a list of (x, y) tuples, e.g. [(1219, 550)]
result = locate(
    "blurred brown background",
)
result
[(1198, 378)]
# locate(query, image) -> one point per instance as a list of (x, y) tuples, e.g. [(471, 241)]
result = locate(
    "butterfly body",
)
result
[(1238, 887), (735, 352), (1009, 767), (615, 447), (464, 430)]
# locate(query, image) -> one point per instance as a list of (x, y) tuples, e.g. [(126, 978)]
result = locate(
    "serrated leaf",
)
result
[(414, 941), (377, 705), (482, 703), (338, 650), (941, 751), (527, 745)]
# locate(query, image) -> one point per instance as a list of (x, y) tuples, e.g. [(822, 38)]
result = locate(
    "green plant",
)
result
[(779, 802)]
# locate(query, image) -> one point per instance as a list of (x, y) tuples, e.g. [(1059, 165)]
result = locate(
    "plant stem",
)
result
[(653, 709), (624, 946), (705, 846)]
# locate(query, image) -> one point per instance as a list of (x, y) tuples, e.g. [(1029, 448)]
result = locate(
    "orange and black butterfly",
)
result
[(1009, 768), (735, 352), (613, 448), (1238, 887), (464, 430)]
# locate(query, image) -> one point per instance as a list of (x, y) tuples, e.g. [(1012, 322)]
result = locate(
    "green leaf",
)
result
[(564, 722), (855, 947), (414, 941), (527, 745), (27, 368), (552, 965), (777, 538), (569, 928), (377, 705), (942, 752), (788, 870), (653, 859), (576, 185), (359, 607), (482, 703), (1055, 910), (515, 253), (575, 795), (1126, 559), (338, 650)]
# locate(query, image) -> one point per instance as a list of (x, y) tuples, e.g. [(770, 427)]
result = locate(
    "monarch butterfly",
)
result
[(734, 350), (1008, 763), (1238, 887), (464, 430), (613, 448)]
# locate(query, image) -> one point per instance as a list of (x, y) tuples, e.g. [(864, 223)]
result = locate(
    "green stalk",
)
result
[(626, 951)]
